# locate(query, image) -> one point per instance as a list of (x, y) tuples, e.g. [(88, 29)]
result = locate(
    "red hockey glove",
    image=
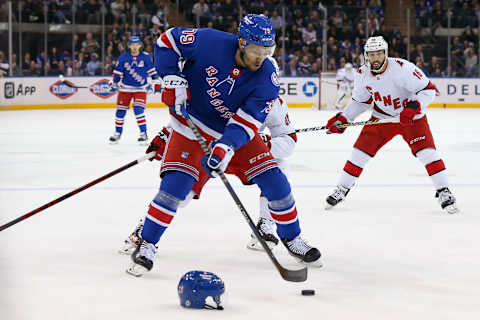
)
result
[(158, 144), (175, 93), (411, 109), (332, 124), (267, 139), (218, 159)]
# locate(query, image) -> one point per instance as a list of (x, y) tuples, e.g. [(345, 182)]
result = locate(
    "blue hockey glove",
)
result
[(218, 159), (175, 93)]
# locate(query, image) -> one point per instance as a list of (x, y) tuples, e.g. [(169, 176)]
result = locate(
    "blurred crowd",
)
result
[(298, 25)]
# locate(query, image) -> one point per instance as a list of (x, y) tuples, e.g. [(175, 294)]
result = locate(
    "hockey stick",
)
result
[(68, 195), (288, 275), (353, 124)]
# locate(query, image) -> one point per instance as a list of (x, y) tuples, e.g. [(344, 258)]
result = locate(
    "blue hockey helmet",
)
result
[(257, 29), (196, 286), (134, 39)]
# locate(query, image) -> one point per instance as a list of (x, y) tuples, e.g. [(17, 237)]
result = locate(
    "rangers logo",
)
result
[(61, 90), (102, 89)]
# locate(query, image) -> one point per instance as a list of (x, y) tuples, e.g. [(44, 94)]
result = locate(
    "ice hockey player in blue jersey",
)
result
[(130, 77), (229, 86)]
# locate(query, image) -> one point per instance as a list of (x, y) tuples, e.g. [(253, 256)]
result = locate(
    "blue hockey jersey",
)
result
[(133, 71), (225, 99)]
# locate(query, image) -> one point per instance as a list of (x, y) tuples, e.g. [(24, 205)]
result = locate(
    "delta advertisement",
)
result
[(20, 93)]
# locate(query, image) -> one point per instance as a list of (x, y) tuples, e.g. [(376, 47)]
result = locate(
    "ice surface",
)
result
[(388, 251)]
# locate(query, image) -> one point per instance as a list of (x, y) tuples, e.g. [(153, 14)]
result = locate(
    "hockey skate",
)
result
[(142, 258), (114, 139), (447, 200), (303, 252), (133, 239), (143, 139), (266, 228), (337, 196)]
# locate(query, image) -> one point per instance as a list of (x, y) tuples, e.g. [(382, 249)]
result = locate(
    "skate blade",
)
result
[(128, 248), (113, 142), (452, 209), (126, 251), (328, 206), (314, 264), (136, 270), (143, 143), (254, 244)]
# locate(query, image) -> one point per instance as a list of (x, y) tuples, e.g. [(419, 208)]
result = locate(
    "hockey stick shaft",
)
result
[(289, 275), (74, 192), (353, 124)]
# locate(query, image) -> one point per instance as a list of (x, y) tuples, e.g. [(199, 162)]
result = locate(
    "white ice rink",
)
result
[(389, 252)]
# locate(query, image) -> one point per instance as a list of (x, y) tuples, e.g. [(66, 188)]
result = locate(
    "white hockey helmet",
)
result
[(348, 67), (375, 44)]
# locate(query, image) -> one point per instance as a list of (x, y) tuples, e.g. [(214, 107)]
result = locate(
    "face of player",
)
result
[(376, 59), (135, 49), (253, 56)]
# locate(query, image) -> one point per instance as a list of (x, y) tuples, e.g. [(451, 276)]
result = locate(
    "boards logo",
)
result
[(310, 89), (61, 90), (102, 89)]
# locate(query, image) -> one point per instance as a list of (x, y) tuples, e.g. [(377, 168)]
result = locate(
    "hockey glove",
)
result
[(267, 139), (157, 85), (175, 93), (218, 159), (332, 124), (411, 109), (113, 85), (158, 144)]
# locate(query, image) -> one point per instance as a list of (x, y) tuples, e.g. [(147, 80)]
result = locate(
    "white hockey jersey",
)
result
[(343, 75), (281, 129), (390, 91)]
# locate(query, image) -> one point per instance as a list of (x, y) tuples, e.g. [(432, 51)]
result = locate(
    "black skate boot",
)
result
[(337, 196), (447, 200), (266, 228), (114, 139), (142, 258), (143, 139), (302, 251), (133, 239)]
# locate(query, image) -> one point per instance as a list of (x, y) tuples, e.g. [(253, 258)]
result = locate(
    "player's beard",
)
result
[(377, 66)]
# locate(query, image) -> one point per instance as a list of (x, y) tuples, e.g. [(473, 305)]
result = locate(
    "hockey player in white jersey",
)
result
[(281, 143), (397, 88), (344, 78)]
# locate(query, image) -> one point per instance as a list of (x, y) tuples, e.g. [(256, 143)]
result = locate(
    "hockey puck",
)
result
[(308, 292)]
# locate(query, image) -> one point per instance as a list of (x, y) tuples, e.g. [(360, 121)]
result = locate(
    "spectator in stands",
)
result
[(68, 67), (228, 12), (294, 37), (89, 44), (291, 67), (433, 65), (4, 66), (201, 12), (42, 59), (160, 17), (92, 10), (417, 52), (118, 8), (143, 13), (26, 61), (332, 66), (437, 72), (93, 65), (304, 67), (32, 70), (277, 22), (471, 62)]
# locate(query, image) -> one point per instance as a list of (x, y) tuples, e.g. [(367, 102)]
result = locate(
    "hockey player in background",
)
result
[(344, 85), (229, 87), (281, 143), (130, 77), (398, 89)]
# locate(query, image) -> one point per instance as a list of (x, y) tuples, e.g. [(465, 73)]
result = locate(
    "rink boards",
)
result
[(20, 93)]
